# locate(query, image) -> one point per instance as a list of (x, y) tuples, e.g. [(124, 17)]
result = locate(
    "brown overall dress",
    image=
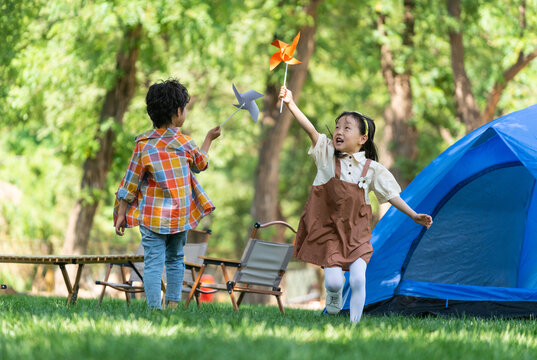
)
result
[(335, 227)]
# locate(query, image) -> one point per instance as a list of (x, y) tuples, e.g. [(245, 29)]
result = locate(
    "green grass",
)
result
[(43, 328)]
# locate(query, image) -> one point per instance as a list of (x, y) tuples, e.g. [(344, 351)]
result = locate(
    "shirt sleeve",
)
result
[(129, 186), (200, 159), (322, 152), (384, 184)]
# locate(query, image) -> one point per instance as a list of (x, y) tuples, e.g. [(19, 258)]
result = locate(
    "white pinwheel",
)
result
[(246, 102)]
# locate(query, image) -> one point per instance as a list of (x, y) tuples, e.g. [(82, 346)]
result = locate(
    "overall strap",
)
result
[(366, 167), (338, 168)]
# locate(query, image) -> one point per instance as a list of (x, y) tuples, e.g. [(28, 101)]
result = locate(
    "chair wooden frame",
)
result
[(236, 285), (128, 287)]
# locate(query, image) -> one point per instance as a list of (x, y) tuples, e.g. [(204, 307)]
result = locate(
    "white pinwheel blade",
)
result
[(238, 95), (254, 111), (251, 95)]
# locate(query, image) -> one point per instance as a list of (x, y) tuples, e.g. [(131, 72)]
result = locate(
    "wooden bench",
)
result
[(79, 260)]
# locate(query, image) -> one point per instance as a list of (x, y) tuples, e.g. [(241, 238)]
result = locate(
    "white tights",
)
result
[(334, 280)]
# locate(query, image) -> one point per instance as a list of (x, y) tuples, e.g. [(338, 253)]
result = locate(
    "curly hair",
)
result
[(163, 99)]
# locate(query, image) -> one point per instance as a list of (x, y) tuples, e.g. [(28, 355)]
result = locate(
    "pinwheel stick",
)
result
[(230, 116), (284, 81)]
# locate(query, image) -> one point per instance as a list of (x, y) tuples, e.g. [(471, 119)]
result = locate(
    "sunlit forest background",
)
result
[(74, 74)]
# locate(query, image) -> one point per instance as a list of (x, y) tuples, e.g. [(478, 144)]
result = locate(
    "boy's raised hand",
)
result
[(214, 133), (211, 135), (286, 95)]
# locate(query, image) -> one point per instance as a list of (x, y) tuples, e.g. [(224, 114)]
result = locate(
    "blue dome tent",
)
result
[(480, 255)]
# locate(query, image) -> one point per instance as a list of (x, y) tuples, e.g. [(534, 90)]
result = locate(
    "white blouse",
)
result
[(381, 180)]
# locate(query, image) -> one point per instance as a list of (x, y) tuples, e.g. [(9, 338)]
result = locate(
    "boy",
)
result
[(160, 193)]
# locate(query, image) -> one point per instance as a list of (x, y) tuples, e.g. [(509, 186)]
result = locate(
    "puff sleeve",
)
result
[(384, 184)]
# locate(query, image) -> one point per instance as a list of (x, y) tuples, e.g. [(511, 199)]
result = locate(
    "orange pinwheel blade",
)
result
[(293, 61), (279, 44), (295, 40), (288, 53), (275, 59)]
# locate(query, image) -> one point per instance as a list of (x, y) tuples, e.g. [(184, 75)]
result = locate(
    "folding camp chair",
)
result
[(195, 247), (263, 264)]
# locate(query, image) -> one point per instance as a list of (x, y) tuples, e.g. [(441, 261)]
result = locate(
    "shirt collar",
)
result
[(358, 156), (158, 133)]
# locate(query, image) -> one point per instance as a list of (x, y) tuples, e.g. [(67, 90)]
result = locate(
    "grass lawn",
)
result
[(43, 328)]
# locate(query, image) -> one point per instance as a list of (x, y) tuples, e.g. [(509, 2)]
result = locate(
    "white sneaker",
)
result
[(334, 301)]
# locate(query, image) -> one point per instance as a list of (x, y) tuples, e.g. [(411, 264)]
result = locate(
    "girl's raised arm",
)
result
[(287, 97)]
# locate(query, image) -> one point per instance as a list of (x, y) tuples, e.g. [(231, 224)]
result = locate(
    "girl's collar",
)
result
[(358, 156)]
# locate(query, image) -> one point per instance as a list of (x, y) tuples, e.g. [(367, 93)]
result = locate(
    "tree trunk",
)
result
[(399, 137), (95, 169), (265, 203), (467, 110)]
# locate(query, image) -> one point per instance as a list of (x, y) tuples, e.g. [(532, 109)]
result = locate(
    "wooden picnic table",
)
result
[(80, 260)]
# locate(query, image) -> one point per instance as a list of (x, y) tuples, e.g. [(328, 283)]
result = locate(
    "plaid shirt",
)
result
[(163, 193)]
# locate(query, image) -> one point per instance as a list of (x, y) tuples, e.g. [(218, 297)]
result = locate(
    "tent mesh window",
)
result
[(479, 231)]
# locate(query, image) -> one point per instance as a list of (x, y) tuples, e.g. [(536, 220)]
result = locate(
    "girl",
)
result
[(335, 230)]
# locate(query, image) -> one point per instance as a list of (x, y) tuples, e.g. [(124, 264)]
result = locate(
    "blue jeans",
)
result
[(160, 249)]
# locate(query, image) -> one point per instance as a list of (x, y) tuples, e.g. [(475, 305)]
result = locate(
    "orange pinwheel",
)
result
[(285, 53)]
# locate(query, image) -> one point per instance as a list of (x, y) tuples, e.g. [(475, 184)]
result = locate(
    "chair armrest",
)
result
[(218, 261), (276, 222)]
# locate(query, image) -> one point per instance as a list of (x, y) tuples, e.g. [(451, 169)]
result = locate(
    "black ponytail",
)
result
[(364, 123), (369, 147)]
